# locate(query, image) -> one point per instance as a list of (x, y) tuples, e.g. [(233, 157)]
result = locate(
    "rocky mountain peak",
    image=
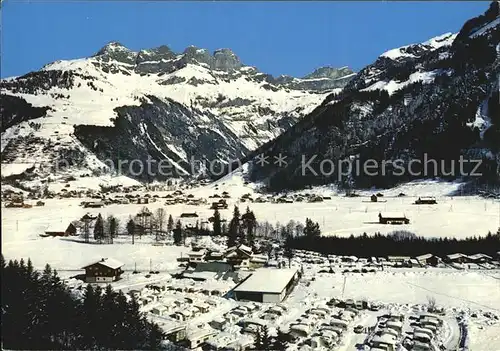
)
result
[(226, 60), (116, 51), (111, 47), (162, 52), (329, 72), (194, 55)]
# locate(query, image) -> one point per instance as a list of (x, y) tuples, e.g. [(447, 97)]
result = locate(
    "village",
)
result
[(171, 250), (229, 299)]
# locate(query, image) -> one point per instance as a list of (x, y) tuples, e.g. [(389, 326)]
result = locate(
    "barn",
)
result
[(428, 260), (426, 200), (266, 285), (457, 258), (61, 230), (393, 218), (103, 271)]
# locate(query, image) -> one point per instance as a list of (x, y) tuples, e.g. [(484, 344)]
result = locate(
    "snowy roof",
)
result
[(197, 253), (267, 280), (200, 275), (188, 215), (479, 255), (107, 262), (57, 228), (456, 255), (393, 215), (424, 257), (245, 248)]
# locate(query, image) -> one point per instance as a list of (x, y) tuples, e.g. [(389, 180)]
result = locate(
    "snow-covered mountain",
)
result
[(437, 100), (121, 104)]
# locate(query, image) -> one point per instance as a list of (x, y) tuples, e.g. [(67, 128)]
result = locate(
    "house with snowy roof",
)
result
[(61, 229), (480, 258), (428, 259), (103, 271), (239, 255), (457, 258), (189, 220)]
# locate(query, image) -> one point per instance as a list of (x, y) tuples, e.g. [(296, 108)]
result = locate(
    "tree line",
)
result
[(398, 243), (40, 313)]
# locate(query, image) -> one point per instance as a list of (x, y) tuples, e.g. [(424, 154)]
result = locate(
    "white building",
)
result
[(189, 220), (266, 285)]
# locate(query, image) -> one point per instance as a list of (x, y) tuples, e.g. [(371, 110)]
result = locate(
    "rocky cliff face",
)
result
[(152, 103), (436, 100)]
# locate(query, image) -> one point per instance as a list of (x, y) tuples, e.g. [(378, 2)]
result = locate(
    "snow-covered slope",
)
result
[(151, 103), (435, 101)]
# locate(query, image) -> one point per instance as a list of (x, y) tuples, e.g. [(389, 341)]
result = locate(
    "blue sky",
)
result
[(277, 37)]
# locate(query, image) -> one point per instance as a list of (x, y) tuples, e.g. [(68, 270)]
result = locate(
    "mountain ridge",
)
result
[(82, 108), (420, 99)]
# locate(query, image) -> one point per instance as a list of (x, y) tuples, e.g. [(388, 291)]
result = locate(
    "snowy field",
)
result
[(470, 291)]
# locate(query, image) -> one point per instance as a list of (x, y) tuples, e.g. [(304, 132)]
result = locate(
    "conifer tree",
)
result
[(234, 228), (170, 224), (178, 233), (99, 229), (217, 223), (249, 223), (131, 228)]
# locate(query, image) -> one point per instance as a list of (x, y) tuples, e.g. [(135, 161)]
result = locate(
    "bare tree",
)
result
[(431, 304)]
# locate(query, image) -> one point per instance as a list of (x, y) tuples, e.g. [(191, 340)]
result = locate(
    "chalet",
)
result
[(104, 271), (219, 205), (61, 230), (428, 260), (373, 198), (258, 261), (480, 258), (236, 255), (457, 258), (393, 219), (197, 256), (189, 220), (399, 259), (427, 200), (214, 256)]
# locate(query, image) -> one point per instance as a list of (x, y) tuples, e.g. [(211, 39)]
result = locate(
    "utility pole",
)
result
[(343, 287)]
